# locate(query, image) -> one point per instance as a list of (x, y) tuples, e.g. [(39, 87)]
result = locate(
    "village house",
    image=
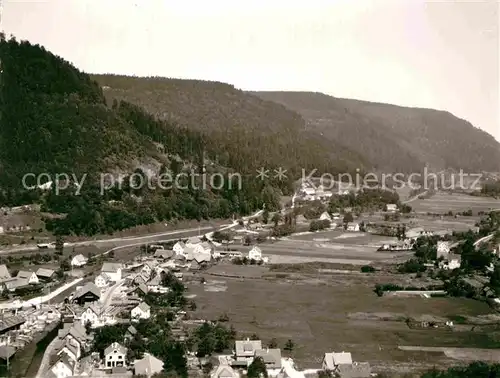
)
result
[(164, 254), (63, 367), (342, 365), (115, 355), (194, 240), (178, 248), (443, 250), (45, 274), (88, 293), (451, 262), (391, 208), (353, 226), (245, 350), (113, 270), (4, 273), (102, 280), (271, 358), (130, 332), (141, 311), (79, 260), (154, 285), (224, 371), (255, 253), (139, 290), (27, 275), (98, 315), (12, 284), (148, 366), (325, 216), (71, 347)]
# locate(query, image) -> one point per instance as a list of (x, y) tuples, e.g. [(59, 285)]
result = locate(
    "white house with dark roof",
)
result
[(63, 367), (178, 247), (353, 227), (79, 260), (148, 366), (141, 311), (4, 273), (115, 355), (27, 275), (102, 280), (113, 270)]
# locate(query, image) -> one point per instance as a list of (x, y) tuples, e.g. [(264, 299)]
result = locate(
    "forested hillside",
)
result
[(55, 119), (247, 132), (395, 138)]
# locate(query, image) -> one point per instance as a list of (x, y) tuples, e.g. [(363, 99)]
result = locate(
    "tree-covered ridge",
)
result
[(245, 131), (395, 138)]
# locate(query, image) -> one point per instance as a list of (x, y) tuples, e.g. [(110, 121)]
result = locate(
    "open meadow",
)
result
[(324, 312), (443, 202)]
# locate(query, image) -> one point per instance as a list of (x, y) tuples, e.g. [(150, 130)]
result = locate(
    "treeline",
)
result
[(474, 370)]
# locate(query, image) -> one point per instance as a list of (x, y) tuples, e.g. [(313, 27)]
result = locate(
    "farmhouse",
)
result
[(178, 247), (325, 216), (141, 311), (224, 371), (245, 349), (45, 274), (164, 254), (443, 249), (148, 366), (113, 270), (79, 260), (63, 367), (88, 293), (255, 254), (102, 280), (391, 208), (352, 226), (115, 355), (27, 275), (4, 273), (271, 357)]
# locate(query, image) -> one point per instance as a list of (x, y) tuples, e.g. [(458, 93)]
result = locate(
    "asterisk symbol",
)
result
[(280, 173), (262, 173)]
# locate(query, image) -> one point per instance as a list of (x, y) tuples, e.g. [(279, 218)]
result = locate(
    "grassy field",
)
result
[(332, 312), (444, 202)]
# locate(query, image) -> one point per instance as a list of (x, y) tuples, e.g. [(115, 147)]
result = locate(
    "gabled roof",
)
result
[(132, 330), (224, 371), (44, 272), (106, 278), (202, 257), (148, 365), (24, 274), (193, 240), (271, 357), (355, 370), (164, 253), (14, 283), (143, 306), (206, 245), (155, 281), (79, 258), (333, 359), (247, 347), (111, 267), (4, 272), (115, 346), (89, 287), (180, 244)]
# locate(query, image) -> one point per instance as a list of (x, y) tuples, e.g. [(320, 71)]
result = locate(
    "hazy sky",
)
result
[(441, 54)]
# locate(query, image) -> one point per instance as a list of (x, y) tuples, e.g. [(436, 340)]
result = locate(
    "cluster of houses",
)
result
[(24, 278), (70, 357), (277, 366)]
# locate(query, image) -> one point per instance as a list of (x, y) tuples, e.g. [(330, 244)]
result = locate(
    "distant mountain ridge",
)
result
[(394, 138)]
